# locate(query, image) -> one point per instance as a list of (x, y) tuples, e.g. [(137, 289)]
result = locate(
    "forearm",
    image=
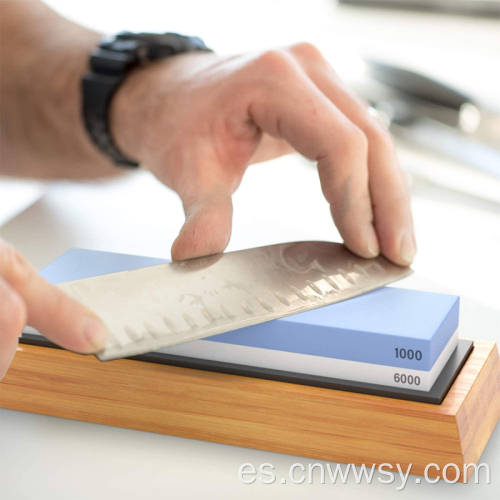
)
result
[(43, 57)]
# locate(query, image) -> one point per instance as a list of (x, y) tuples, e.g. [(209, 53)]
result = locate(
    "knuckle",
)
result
[(276, 61), (347, 200), (307, 51), (339, 203), (354, 138), (335, 186), (377, 133), (394, 201)]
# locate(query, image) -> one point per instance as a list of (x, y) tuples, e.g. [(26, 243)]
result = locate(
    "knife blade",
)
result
[(168, 304)]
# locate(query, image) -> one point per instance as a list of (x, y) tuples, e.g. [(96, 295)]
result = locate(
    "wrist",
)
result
[(113, 69), (128, 114), (141, 103)]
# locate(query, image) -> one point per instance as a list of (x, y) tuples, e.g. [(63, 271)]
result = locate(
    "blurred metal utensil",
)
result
[(434, 115)]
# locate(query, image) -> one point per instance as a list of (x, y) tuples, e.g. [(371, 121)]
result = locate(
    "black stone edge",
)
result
[(435, 396)]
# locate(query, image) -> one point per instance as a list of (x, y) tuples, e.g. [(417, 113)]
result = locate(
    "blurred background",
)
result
[(432, 70)]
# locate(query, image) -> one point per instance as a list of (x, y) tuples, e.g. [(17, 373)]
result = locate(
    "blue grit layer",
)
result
[(367, 328)]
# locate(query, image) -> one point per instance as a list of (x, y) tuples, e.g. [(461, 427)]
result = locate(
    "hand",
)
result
[(26, 298), (198, 120)]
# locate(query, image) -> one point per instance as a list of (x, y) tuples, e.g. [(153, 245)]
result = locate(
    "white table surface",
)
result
[(459, 245)]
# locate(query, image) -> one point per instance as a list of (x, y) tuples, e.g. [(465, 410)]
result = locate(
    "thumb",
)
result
[(207, 229), (53, 313)]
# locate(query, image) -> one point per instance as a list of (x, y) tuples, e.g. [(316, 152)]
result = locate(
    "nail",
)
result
[(407, 249), (95, 333), (372, 245)]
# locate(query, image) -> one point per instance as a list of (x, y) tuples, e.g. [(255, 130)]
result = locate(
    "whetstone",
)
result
[(390, 341), (264, 414), (434, 396)]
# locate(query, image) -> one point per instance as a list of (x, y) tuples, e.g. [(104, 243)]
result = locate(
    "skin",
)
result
[(196, 121)]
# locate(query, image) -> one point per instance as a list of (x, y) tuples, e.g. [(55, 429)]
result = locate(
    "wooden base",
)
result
[(285, 418)]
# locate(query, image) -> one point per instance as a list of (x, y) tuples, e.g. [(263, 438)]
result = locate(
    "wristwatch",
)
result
[(109, 65)]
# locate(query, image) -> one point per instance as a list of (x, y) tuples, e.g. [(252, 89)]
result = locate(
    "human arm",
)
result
[(197, 121)]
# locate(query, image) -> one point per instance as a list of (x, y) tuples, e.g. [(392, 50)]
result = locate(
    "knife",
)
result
[(168, 304)]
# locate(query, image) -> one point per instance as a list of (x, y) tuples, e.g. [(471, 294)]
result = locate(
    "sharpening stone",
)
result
[(367, 338)]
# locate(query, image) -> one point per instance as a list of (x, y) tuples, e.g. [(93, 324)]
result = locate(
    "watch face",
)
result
[(149, 38), (121, 45), (148, 47)]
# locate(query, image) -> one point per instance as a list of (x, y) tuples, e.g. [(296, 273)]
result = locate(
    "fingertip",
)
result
[(407, 247), (371, 243), (198, 242), (207, 229), (363, 251), (400, 249), (95, 334), (64, 320), (358, 233)]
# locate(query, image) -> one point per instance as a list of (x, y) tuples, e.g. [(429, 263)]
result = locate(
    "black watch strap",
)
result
[(110, 63)]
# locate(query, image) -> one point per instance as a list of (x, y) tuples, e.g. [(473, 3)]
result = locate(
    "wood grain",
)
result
[(286, 418)]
